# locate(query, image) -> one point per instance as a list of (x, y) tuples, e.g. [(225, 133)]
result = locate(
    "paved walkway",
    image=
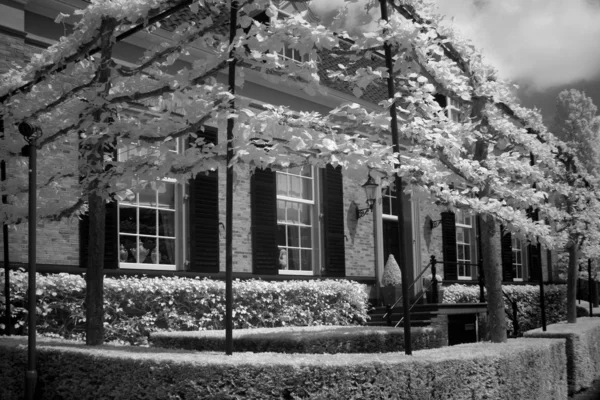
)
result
[(592, 393)]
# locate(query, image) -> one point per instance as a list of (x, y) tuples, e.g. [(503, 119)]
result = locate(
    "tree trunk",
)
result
[(94, 277), (573, 250), (492, 269)]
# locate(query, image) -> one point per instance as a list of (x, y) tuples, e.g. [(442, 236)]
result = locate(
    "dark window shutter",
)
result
[(204, 216), (506, 255), (534, 254), (111, 238), (333, 219), (449, 245), (265, 253)]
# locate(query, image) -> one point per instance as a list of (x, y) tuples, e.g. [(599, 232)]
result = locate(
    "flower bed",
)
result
[(134, 307), (313, 339), (520, 369), (582, 349)]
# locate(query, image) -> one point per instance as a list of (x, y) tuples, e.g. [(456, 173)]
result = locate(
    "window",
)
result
[(453, 111), (292, 54), (388, 198), (465, 245), (518, 258), (295, 220), (147, 221), (389, 216), (449, 105)]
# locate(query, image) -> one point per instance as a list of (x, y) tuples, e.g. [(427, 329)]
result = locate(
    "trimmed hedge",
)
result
[(582, 349), (313, 339), (532, 369), (528, 302), (134, 307)]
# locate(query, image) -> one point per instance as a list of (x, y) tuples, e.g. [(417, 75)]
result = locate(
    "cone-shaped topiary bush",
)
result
[(391, 273)]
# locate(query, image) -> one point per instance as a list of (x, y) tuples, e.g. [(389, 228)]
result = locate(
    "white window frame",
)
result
[(472, 246), (313, 204), (387, 196), (453, 109), (178, 228), (518, 267)]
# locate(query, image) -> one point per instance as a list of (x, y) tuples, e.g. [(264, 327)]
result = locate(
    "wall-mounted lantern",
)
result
[(434, 224), (370, 187)]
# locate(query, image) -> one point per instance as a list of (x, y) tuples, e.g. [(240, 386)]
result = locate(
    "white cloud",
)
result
[(543, 43)]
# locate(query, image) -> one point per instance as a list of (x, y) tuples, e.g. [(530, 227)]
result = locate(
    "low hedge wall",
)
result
[(582, 349), (528, 302), (520, 369), (313, 339), (134, 307)]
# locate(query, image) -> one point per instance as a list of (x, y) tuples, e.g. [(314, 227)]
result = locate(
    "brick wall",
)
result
[(57, 242)]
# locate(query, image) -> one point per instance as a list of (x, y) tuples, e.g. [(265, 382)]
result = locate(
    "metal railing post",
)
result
[(388, 309), (434, 281), (590, 286), (515, 319)]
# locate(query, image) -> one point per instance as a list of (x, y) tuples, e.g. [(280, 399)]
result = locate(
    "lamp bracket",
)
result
[(434, 224), (361, 212)]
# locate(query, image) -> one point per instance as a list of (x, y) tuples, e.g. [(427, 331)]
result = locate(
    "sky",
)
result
[(543, 46)]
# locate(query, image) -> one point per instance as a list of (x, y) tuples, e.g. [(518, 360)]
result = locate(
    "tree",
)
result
[(89, 98), (86, 103), (576, 123)]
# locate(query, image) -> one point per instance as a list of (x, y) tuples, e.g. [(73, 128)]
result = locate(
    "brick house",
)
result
[(290, 224)]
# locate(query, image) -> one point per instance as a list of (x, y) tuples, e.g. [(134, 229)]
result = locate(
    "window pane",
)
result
[(292, 212), (460, 235), (461, 252), (307, 189), (148, 197), (307, 171), (127, 219), (293, 236), (386, 206), (166, 223), (305, 214), (280, 211), (145, 250), (166, 195), (394, 205), (166, 251), (282, 187), (283, 259), (147, 221), (281, 235), (295, 186), (293, 259), (128, 248), (467, 233), (305, 237), (306, 260)]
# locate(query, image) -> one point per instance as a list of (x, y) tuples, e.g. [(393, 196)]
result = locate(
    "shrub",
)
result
[(134, 307), (312, 339), (391, 273), (528, 302), (582, 349), (533, 369)]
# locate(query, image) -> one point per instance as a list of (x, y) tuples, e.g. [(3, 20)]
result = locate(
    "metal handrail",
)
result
[(414, 304), (409, 287)]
